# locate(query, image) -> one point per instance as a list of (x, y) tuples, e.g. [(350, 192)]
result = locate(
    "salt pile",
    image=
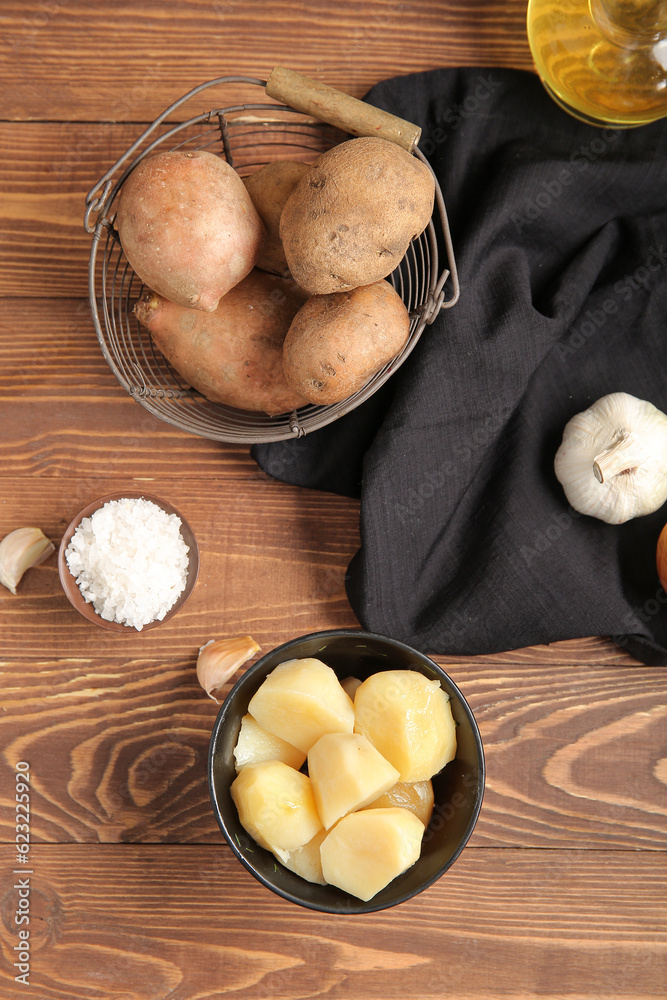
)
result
[(130, 561)]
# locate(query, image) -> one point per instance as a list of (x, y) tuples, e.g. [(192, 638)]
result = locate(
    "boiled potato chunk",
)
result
[(347, 773), (254, 744), (305, 861), (416, 796), (408, 718), (367, 849), (300, 700), (350, 685), (275, 804)]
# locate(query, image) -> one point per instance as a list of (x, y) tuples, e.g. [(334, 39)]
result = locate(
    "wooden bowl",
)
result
[(71, 588)]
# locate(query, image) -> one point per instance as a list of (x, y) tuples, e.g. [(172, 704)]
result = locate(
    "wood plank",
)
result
[(575, 756), (75, 418), (59, 60), (47, 170), (272, 561), (143, 923), (592, 650)]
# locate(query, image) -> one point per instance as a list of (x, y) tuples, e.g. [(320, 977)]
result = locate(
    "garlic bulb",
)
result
[(220, 658), (20, 550), (612, 462)]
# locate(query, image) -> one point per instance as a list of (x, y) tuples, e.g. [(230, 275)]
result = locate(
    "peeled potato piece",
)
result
[(350, 685), (367, 849), (254, 744), (300, 700), (347, 773), (416, 796), (275, 804), (305, 861), (408, 718)]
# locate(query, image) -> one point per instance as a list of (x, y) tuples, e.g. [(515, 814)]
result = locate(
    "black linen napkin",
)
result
[(560, 232)]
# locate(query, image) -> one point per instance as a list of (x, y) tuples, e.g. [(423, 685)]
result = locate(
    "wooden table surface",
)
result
[(133, 894)]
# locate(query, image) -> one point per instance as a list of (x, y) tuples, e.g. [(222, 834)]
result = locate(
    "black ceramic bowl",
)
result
[(458, 788)]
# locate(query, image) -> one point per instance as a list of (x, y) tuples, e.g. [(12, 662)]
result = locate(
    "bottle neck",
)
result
[(631, 24)]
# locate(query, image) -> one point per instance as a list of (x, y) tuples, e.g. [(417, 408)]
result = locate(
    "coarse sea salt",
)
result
[(130, 561)]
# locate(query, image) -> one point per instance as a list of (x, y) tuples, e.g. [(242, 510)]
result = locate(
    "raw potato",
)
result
[(275, 805), (367, 849), (351, 218), (305, 861), (337, 342), (254, 744), (188, 227), (408, 718), (232, 355), (270, 187), (416, 796), (346, 772), (300, 700)]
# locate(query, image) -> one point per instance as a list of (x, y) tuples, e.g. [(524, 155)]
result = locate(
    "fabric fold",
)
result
[(560, 234)]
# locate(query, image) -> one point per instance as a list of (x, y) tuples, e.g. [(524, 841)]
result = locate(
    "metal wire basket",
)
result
[(247, 135)]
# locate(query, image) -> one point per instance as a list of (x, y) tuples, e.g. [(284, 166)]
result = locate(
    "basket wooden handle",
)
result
[(338, 109)]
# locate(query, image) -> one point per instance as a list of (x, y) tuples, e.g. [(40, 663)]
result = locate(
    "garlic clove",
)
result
[(220, 658), (20, 550)]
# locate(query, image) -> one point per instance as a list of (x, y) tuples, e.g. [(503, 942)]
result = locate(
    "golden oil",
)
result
[(603, 61)]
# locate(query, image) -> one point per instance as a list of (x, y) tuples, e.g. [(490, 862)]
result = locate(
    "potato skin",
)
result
[(270, 187), (232, 355), (351, 218), (188, 227), (336, 342)]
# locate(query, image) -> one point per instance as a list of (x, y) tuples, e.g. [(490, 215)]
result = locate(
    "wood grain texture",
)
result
[(273, 563), (126, 62), (576, 756), (141, 923), (75, 418), (273, 559), (48, 169), (117, 746), (46, 172), (562, 890)]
